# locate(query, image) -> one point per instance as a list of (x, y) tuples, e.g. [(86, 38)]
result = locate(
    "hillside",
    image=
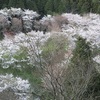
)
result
[(64, 60)]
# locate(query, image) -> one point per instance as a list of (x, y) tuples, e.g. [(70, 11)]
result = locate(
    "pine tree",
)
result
[(12, 3), (74, 7), (62, 6), (79, 4), (98, 11), (55, 5), (20, 4), (1, 3), (95, 5), (85, 7), (31, 5), (42, 7), (68, 7), (49, 6), (5, 3)]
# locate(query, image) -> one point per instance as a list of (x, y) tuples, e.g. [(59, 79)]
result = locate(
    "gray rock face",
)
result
[(8, 94)]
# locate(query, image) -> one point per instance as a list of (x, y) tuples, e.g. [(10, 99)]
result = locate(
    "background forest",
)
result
[(54, 6)]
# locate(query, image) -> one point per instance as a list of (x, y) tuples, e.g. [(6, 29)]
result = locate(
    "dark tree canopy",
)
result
[(54, 6)]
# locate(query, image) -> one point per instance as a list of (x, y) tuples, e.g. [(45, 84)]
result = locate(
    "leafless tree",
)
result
[(62, 81)]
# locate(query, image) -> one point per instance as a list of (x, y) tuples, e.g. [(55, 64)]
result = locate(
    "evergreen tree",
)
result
[(95, 4), (12, 3), (55, 5), (62, 6), (49, 6), (5, 3), (68, 7), (42, 7), (79, 5), (85, 7), (20, 4), (74, 7), (31, 5), (98, 11)]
